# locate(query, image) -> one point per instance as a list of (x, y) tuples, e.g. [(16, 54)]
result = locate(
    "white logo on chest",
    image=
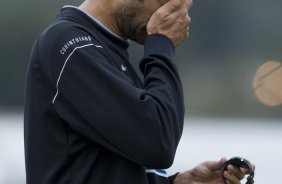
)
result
[(123, 68)]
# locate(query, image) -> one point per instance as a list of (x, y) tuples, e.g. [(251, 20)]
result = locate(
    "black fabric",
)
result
[(171, 178), (88, 117)]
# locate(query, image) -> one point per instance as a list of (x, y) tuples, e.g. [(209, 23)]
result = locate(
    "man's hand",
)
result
[(210, 173), (172, 20)]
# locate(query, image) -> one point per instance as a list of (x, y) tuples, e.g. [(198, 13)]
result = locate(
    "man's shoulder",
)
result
[(62, 29), (63, 36)]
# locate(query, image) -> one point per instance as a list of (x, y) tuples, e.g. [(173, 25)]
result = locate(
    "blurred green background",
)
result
[(228, 42)]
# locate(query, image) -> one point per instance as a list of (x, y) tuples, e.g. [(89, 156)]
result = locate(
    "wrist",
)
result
[(159, 44), (183, 178)]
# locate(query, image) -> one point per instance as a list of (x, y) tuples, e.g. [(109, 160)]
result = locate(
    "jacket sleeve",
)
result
[(101, 103)]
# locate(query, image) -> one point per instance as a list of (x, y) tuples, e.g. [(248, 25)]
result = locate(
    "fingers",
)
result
[(236, 171), (230, 178), (173, 9), (217, 165), (223, 160), (234, 174), (188, 3), (172, 20), (172, 5)]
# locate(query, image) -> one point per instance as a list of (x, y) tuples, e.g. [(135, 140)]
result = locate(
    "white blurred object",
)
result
[(12, 168), (260, 141)]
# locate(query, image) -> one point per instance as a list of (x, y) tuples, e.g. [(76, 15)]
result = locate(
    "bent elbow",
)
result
[(165, 161), (160, 158)]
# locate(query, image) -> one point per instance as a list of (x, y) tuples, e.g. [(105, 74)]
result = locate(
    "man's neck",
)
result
[(103, 12)]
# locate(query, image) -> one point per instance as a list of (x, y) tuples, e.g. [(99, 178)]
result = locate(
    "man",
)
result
[(89, 118)]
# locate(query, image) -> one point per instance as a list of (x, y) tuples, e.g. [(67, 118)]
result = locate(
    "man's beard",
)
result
[(131, 22)]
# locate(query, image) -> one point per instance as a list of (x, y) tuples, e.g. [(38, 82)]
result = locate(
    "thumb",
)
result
[(216, 165)]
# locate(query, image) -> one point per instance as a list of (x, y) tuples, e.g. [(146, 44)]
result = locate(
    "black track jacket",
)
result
[(88, 117)]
